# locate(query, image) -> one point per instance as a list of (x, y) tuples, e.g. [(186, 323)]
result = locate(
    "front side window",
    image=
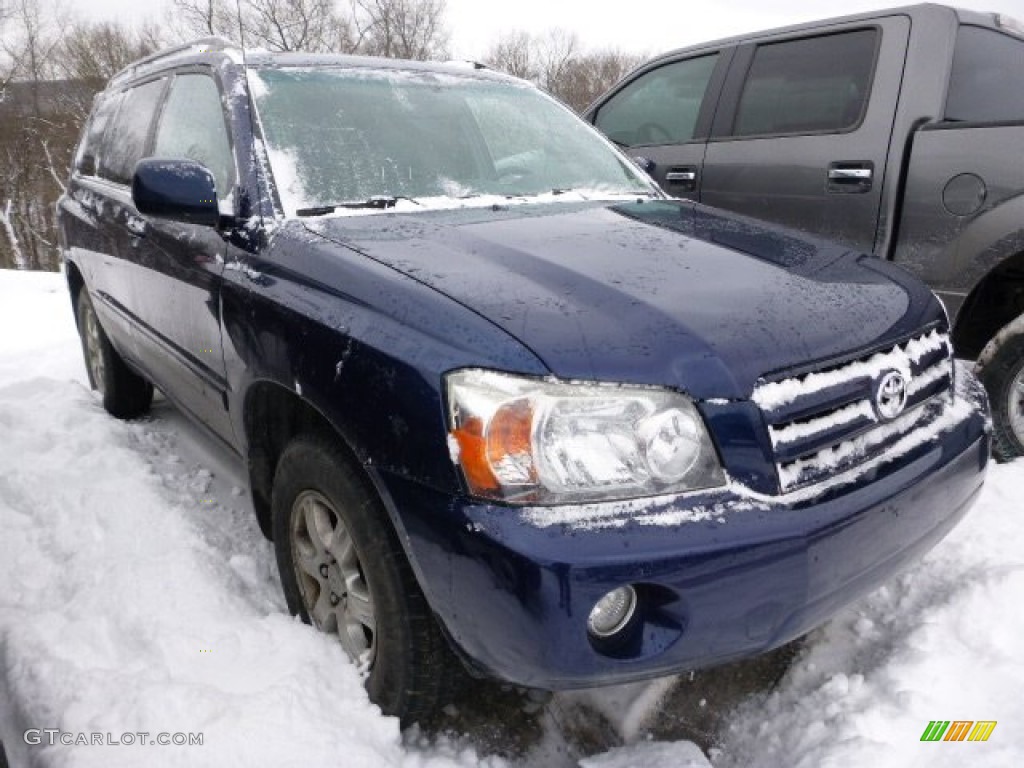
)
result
[(338, 136), (192, 127), (659, 107), (985, 85), (813, 85), (125, 142)]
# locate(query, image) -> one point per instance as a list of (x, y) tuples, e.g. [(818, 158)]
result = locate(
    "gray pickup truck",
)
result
[(898, 132)]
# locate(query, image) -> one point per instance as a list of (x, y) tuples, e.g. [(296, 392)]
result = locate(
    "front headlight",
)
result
[(534, 441)]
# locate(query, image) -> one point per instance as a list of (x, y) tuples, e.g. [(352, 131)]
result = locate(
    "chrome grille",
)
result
[(827, 422)]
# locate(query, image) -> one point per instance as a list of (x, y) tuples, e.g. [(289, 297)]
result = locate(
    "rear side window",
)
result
[(125, 142), (193, 127), (985, 85), (813, 85), (659, 107), (88, 152)]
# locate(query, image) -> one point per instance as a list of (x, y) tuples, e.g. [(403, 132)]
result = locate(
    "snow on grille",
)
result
[(826, 422)]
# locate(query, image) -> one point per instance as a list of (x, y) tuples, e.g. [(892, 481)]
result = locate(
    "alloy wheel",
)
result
[(330, 575), (94, 348)]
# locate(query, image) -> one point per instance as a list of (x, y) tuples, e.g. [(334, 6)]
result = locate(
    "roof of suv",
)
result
[(201, 50)]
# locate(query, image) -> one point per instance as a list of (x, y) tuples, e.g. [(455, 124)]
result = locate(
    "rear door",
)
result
[(102, 187), (88, 234), (662, 115), (803, 128)]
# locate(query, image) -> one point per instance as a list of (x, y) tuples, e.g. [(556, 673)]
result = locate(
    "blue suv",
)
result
[(504, 406)]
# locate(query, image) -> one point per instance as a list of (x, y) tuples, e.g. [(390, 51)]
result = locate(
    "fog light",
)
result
[(612, 612)]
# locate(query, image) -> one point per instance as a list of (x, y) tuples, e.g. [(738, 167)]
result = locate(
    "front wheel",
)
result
[(1003, 376), (125, 394), (344, 571)]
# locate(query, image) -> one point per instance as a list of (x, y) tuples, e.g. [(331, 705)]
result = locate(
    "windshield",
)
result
[(336, 136)]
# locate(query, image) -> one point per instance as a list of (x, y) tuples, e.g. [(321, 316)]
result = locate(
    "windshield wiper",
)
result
[(592, 192), (379, 202)]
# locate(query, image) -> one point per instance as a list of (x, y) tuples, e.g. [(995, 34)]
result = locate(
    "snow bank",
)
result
[(943, 642), (680, 754), (123, 611)]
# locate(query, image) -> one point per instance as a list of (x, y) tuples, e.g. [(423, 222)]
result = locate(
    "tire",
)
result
[(1003, 377), (126, 395), (344, 571)]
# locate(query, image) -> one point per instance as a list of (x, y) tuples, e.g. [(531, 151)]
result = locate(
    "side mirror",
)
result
[(645, 164), (178, 190)]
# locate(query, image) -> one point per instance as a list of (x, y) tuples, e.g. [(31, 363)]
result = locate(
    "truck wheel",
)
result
[(125, 393), (1003, 376), (344, 571)]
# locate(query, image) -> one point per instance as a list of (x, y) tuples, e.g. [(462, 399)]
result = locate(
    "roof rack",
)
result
[(215, 43), (467, 63)]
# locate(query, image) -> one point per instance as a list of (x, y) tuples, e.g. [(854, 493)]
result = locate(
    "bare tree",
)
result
[(291, 25), (411, 29), (31, 129), (516, 54), (200, 18), (587, 76), (558, 63), (51, 69), (403, 29), (91, 54)]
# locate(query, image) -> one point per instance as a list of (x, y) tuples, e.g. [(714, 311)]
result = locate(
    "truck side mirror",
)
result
[(645, 164)]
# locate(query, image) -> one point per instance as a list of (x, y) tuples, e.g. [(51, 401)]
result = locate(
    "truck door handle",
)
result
[(842, 174), (681, 177), (846, 177), (684, 177)]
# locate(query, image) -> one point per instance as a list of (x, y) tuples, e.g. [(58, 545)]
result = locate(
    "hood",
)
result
[(652, 292)]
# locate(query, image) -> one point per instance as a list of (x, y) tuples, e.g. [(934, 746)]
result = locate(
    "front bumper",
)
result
[(721, 575)]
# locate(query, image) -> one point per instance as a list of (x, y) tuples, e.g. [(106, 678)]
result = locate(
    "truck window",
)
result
[(192, 126), (659, 107), (985, 84), (125, 142), (812, 85)]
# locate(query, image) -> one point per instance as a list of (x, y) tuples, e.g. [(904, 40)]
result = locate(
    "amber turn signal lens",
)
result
[(508, 443), (473, 456)]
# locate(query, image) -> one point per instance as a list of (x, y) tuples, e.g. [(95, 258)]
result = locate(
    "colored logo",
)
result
[(891, 395), (958, 730)]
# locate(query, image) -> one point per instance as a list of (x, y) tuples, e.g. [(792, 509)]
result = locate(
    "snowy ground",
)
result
[(137, 595)]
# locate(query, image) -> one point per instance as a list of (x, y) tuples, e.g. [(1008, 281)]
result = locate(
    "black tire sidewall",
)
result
[(125, 393), (314, 464), (998, 374)]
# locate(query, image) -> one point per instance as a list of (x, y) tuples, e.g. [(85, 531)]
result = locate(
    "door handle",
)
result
[(842, 174), (136, 226), (850, 177), (682, 177)]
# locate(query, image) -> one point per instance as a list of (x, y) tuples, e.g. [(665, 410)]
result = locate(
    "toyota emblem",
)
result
[(891, 395)]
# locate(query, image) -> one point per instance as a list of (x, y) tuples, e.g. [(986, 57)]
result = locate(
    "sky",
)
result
[(640, 26)]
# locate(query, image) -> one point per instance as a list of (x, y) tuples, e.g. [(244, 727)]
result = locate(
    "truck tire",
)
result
[(125, 394), (344, 571), (1003, 376)]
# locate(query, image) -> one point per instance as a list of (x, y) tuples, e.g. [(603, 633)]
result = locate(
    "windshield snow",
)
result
[(426, 140)]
